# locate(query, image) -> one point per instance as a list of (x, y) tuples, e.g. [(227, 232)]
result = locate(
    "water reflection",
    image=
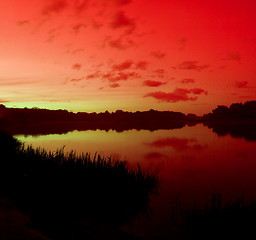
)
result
[(234, 129), (193, 162)]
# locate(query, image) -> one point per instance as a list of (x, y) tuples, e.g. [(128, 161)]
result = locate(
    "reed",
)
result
[(58, 188)]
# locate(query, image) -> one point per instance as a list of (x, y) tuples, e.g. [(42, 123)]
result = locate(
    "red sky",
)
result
[(97, 55)]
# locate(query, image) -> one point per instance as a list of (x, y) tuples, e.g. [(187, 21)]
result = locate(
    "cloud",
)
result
[(179, 94), (93, 75), (122, 21), (187, 80), (3, 101), (242, 84), (114, 85), (158, 54), (122, 66), (77, 66), (198, 91), (160, 71), (123, 76), (151, 83), (120, 76), (14, 82), (142, 65), (192, 65), (121, 43)]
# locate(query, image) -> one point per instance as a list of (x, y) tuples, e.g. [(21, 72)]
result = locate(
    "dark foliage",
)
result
[(238, 120), (236, 111)]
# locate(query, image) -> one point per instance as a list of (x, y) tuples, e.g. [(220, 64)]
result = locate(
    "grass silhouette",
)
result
[(61, 190), (217, 219)]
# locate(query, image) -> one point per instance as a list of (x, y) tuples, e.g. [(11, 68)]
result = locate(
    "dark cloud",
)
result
[(198, 91), (192, 65), (114, 85), (187, 80), (123, 76), (122, 21), (77, 66), (122, 66), (158, 54), (179, 94), (93, 75), (120, 76), (241, 84), (142, 65), (151, 83)]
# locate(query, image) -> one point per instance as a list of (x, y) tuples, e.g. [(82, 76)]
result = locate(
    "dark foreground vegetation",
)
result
[(234, 219), (63, 193)]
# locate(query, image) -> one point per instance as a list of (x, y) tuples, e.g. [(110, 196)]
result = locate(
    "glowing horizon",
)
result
[(96, 55)]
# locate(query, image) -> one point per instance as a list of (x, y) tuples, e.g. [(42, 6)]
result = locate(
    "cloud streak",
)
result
[(192, 65), (122, 66), (120, 20), (151, 83), (158, 54), (77, 66), (179, 94), (187, 80), (242, 84)]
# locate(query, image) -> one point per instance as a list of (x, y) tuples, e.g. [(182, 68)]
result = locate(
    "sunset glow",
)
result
[(97, 55)]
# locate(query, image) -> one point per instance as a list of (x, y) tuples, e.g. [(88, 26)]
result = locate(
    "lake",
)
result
[(193, 163)]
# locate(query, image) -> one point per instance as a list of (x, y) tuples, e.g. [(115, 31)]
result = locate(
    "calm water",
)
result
[(193, 163)]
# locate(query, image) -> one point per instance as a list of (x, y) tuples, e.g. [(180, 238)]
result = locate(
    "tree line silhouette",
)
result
[(43, 121), (236, 111), (238, 120)]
